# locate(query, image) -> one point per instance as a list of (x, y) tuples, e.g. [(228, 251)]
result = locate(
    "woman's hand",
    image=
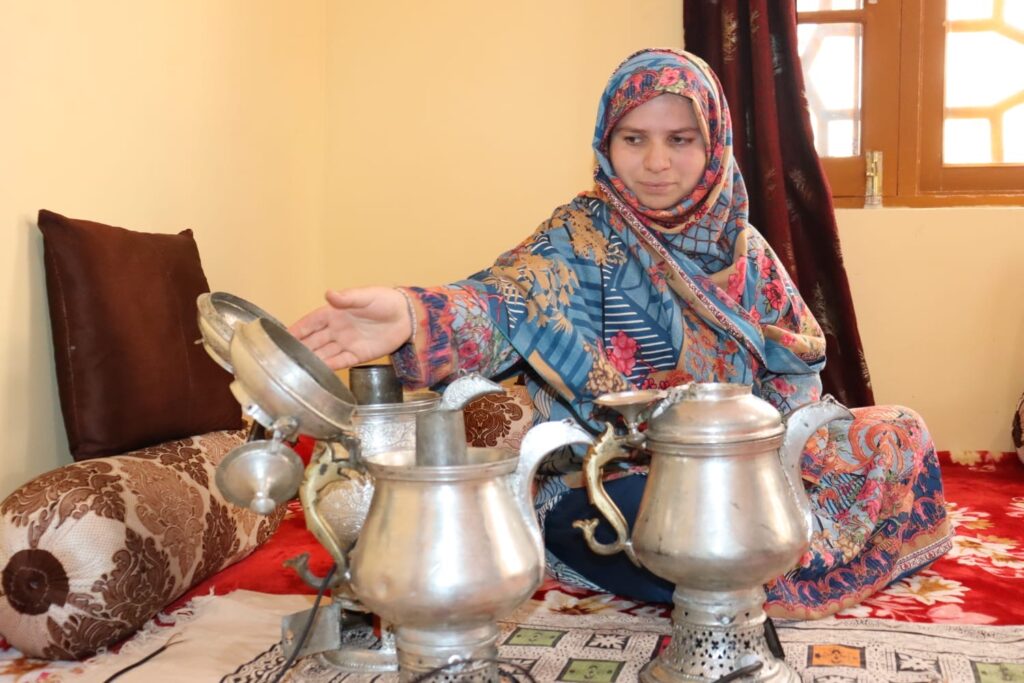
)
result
[(356, 326)]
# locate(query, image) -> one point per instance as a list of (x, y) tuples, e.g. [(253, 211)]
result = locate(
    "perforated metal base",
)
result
[(714, 634), (450, 656)]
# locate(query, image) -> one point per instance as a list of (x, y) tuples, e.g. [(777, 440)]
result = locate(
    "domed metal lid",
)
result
[(709, 413)]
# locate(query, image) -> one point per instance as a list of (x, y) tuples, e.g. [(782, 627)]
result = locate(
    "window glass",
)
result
[(979, 94), (831, 58), (1013, 135), (968, 9), (1013, 13), (967, 141)]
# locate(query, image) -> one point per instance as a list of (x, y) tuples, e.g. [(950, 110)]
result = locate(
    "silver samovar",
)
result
[(448, 542), (451, 543), (336, 493), (723, 512)]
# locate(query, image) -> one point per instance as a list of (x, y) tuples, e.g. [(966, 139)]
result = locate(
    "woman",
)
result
[(652, 279)]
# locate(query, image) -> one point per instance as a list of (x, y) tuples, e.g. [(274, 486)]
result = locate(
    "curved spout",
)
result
[(800, 425), (467, 388), (541, 440)]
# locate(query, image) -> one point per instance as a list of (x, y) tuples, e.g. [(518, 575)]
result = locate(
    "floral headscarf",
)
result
[(720, 198)]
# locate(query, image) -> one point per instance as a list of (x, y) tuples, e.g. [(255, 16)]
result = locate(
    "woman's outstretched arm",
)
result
[(356, 326)]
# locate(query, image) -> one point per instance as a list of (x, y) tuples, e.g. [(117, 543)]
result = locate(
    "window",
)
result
[(935, 86)]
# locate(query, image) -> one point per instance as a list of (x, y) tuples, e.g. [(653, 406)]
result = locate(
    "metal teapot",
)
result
[(451, 542), (723, 512), (289, 392)]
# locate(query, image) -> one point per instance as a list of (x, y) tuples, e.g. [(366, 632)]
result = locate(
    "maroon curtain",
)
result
[(751, 45)]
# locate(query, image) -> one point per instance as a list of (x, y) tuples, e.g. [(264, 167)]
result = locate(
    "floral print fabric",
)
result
[(879, 512)]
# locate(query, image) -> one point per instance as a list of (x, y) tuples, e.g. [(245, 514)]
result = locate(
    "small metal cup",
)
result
[(374, 384)]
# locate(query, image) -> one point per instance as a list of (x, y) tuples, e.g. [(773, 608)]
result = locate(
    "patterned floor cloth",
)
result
[(561, 638), (554, 643)]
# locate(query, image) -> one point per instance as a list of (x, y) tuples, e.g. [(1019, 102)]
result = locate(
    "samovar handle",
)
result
[(800, 425), (606, 448), (319, 474)]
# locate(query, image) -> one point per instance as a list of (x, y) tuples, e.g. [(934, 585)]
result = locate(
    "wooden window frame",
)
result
[(902, 114)]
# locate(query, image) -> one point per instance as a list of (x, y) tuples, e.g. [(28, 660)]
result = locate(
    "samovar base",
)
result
[(715, 634), (342, 640), (362, 651), (464, 655)]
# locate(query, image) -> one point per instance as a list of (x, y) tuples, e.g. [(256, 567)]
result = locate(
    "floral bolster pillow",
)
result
[(89, 552)]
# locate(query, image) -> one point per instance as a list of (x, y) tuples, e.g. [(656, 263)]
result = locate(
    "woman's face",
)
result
[(657, 150)]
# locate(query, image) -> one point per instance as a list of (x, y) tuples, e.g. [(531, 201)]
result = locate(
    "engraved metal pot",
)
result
[(723, 512), (447, 550)]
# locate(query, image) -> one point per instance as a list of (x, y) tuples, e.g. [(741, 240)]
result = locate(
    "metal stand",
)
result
[(714, 634), (422, 652)]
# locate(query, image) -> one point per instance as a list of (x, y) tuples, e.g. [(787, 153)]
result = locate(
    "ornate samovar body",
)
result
[(723, 512)]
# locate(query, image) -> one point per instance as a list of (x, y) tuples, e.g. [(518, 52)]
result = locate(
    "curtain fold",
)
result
[(752, 46)]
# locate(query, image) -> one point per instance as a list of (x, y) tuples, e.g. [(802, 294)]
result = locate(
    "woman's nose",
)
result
[(657, 158)]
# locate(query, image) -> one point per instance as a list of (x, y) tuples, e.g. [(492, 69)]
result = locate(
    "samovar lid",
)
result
[(712, 413)]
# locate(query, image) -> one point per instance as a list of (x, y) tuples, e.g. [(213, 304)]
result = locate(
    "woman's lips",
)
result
[(656, 187)]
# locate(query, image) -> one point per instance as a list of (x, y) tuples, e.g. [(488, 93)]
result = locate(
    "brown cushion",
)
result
[(123, 313), (89, 552)]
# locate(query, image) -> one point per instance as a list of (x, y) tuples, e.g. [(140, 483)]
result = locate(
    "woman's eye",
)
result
[(631, 139), (683, 140)]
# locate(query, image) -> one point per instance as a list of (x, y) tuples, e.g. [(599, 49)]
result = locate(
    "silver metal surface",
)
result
[(391, 426), (537, 444), (634, 406), (421, 651), (466, 388), (444, 545), (441, 439), (714, 634), (342, 640), (445, 550), (276, 376), (712, 413), (723, 512), (343, 503), (218, 314), (441, 433), (363, 652), (374, 384), (259, 475)]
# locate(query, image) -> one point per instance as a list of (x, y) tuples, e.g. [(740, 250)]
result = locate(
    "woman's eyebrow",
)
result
[(674, 131)]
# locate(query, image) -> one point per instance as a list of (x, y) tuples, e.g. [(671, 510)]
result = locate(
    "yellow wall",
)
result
[(155, 116), (939, 295), (313, 144), (456, 127)]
